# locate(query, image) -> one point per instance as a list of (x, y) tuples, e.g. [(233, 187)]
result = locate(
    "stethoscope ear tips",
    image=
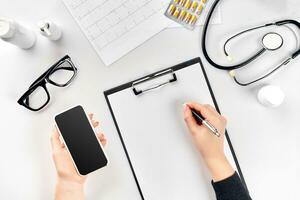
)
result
[(272, 41), (229, 58), (231, 73)]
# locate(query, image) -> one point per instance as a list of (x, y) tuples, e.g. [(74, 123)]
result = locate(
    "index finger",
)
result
[(207, 111), (91, 115)]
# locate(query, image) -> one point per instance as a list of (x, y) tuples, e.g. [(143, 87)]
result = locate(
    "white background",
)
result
[(267, 141)]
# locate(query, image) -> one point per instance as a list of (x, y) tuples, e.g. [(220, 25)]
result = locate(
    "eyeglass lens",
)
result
[(38, 98), (62, 74)]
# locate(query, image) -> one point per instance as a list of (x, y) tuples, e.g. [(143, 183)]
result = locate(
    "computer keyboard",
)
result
[(107, 21)]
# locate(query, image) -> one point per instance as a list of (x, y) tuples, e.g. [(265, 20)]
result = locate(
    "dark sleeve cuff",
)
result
[(231, 188)]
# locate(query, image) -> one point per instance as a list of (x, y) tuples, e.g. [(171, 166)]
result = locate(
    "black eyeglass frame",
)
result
[(44, 79)]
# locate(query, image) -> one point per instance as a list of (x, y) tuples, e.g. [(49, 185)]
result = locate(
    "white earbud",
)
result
[(50, 30)]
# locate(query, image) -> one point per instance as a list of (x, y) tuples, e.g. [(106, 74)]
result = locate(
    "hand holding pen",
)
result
[(201, 120), (209, 138)]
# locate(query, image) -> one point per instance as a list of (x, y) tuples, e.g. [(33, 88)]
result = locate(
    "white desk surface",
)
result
[(266, 141)]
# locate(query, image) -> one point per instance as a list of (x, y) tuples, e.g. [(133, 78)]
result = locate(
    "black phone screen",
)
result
[(81, 140)]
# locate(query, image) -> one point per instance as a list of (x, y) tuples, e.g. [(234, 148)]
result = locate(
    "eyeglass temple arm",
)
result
[(44, 74), (65, 68)]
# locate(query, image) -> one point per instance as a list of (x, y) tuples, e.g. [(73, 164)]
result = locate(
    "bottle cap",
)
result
[(7, 28)]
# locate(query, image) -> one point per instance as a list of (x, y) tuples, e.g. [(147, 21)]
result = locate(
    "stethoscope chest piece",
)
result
[(272, 41)]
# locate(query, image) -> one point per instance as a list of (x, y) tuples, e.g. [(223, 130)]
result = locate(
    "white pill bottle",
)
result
[(14, 33), (270, 96)]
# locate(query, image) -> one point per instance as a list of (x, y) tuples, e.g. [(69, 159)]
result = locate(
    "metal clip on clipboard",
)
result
[(152, 77)]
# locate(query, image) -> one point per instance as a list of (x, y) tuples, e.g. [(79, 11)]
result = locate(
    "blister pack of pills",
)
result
[(185, 12)]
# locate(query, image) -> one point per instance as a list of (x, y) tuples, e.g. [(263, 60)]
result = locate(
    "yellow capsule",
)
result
[(176, 13), (176, 1), (199, 9), (188, 18), (182, 15), (194, 6), (204, 1), (188, 4), (182, 2), (194, 20), (172, 9)]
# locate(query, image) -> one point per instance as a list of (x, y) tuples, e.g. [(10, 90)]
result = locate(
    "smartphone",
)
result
[(80, 139)]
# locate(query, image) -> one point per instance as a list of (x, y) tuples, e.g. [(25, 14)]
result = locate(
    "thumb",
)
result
[(188, 118)]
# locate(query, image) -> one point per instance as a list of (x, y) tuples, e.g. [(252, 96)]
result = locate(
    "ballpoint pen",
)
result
[(199, 118)]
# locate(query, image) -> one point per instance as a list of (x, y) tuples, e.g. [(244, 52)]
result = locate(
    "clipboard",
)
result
[(149, 161)]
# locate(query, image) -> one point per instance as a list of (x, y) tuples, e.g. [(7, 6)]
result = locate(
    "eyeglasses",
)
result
[(61, 74)]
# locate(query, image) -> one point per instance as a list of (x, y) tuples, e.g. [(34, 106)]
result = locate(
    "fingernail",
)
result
[(185, 107)]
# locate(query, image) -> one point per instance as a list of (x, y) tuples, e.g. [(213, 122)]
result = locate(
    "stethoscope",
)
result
[(270, 42)]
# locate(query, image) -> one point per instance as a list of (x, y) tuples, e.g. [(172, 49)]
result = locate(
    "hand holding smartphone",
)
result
[(80, 139)]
